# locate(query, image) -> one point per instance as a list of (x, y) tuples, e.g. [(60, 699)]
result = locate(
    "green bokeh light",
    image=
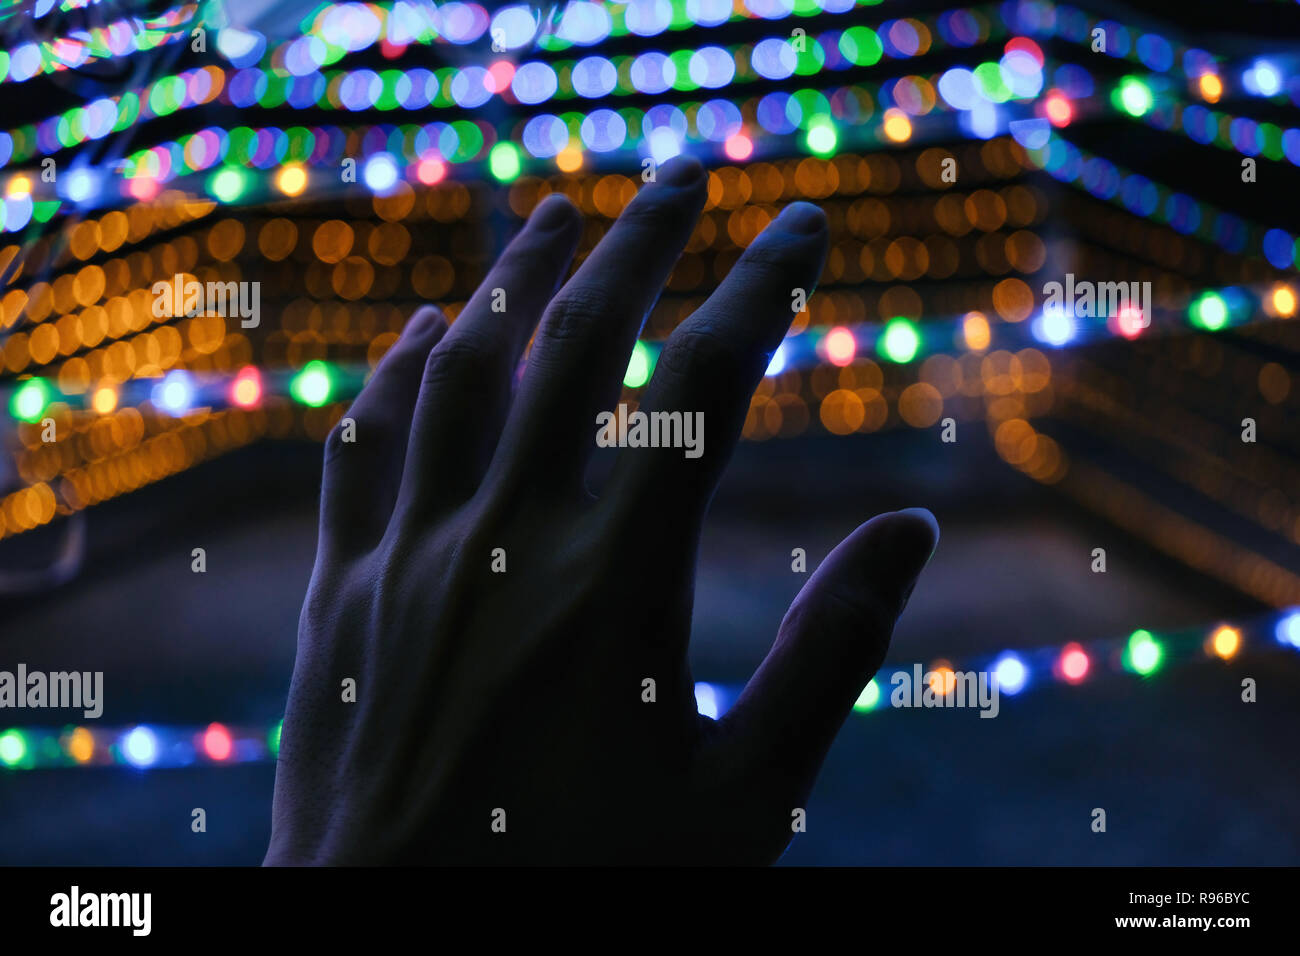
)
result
[(861, 46), (989, 77), (640, 366), (821, 137), (1209, 311), (29, 400), (227, 184), (1144, 653), (504, 162), (13, 748), (900, 341), (869, 698), (313, 385), (1135, 97)]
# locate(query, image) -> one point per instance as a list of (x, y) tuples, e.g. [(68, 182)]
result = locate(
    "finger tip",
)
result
[(802, 218), (555, 212), (681, 170), (916, 530), (923, 515), (910, 535)]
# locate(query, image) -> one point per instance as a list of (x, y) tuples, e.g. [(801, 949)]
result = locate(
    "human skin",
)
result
[(502, 716)]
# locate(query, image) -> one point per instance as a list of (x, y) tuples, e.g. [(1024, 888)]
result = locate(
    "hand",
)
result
[(500, 715)]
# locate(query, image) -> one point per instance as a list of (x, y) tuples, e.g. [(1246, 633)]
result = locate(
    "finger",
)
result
[(469, 378), (364, 452), (833, 639), (713, 361), (581, 351)]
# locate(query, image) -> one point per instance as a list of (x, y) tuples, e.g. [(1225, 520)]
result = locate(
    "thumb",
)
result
[(833, 639)]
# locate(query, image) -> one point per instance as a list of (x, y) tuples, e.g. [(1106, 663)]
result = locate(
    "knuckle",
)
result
[(460, 358), (575, 313), (693, 349)]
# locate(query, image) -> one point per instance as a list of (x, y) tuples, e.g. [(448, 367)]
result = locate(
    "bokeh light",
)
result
[(1073, 664), (900, 341), (1143, 653), (314, 385)]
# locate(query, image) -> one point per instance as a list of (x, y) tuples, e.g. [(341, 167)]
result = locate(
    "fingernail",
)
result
[(552, 212), (681, 171), (801, 217)]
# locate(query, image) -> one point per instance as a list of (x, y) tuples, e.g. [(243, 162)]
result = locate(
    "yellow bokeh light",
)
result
[(1284, 301), (291, 180), (975, 330), (897, 126), (569, 159), (104, 400), (1225, 641), (81, 745), (19, 186), (1211, 87), (943, 679)]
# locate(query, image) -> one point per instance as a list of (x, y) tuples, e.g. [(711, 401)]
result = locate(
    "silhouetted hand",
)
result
[(501, 710)]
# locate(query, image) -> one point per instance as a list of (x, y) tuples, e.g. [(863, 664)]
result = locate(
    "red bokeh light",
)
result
[(841, 346), (499, 75), (144, 188), (1130, 322), (1058, 108), (246, 389), (738, 148), (430, 171), (217, 743), (1025, 45), (1074, 663)]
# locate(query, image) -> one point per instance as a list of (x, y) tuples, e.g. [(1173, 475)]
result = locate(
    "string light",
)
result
[(1288, 629), (1073, 664), (504, 162), (1142, 197), (217, 744), (1225, 641), (104, 400), (869, 699), (139, 747), (898, 341), (292, 180), (1211, 87), (175, 393), (30, 399), (380, 173), (246, 389), (639, 366), (13, 748), (840, 346), (155, 746), (314, 385), (1143, 654), (1011, 673), (1283, 301), (236, 161)]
